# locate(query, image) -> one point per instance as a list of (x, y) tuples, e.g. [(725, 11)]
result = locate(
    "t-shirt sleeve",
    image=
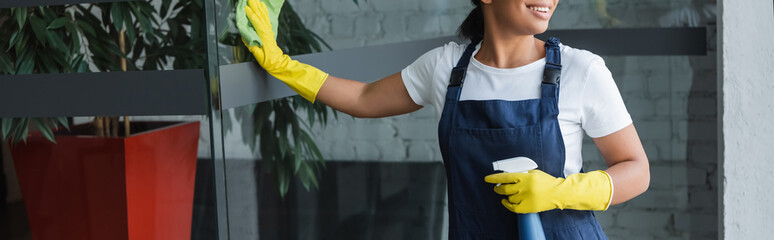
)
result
[(418, 77), (603, 110)]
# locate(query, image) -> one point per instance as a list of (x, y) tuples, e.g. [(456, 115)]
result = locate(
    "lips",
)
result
[(540, 10)]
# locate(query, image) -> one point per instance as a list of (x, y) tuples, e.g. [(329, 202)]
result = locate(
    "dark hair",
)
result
[(473, 26)]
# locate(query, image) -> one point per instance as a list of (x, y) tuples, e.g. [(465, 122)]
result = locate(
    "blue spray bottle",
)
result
[(530, 227)]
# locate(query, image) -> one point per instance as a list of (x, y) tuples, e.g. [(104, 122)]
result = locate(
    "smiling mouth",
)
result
[(539, 9)]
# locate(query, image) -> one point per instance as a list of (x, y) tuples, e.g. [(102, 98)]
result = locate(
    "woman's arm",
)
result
[(627, 163), (386, 97), (383, 98)]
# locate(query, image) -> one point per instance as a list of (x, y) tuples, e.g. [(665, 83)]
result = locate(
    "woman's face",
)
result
[(523, 17)]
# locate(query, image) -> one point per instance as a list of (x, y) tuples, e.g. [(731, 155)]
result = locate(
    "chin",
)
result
[(535, 29)]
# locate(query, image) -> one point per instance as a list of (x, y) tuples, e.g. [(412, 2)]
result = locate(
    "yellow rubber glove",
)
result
[(537, 191), (302, 78)]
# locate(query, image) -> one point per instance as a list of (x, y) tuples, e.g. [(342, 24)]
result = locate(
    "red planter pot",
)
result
[(86, 187)]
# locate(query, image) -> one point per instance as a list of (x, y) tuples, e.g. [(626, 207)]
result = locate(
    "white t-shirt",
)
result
[(589, 100)]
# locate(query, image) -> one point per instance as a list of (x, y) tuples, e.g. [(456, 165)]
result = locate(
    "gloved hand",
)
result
[(249, 35), (302, 78), (537, 191)]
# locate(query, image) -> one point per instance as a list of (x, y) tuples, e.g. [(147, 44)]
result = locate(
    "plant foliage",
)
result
[(84, 37)]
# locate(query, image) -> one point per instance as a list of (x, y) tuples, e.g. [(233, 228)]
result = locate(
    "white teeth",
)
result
[(539, 9)]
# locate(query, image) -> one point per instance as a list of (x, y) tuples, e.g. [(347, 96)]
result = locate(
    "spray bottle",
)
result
[(530, 227)]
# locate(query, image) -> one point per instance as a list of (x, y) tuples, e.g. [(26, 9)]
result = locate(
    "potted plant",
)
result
[(91, 181)]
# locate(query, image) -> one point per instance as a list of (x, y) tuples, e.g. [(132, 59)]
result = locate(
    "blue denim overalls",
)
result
[(475, 133)]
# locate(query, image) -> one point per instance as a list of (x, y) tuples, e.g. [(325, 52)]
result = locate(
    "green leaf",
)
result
[(76, 61), (58, 23), (76, 38), (312, 146), (118, 15), (283, 145), (86, 28), (14, 38), (6, 64), (39, 29), (21, 17), (63, 121), (84, 67), (56, 42), (60, 60), (283, 178), (130, 32), (312, 176), (7, 125), (44, 128), (197, 25), (23, 56), (165, 7), (145, 24), (21, 42), (47, 65), (27, 65), (297, 157), (22, 130)]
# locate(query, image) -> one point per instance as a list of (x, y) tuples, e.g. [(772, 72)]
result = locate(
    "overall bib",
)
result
[(475, 133)]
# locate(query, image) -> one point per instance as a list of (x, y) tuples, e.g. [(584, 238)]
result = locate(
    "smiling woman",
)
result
[(507, 65)]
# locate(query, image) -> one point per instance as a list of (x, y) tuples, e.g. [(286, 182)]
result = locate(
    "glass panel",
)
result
[(384, 177), (101, 184), (369, 186), (673, 102)]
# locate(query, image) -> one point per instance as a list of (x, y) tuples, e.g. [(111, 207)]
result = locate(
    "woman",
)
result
[(521, 97)]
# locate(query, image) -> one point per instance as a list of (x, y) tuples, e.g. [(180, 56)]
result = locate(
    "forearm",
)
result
[(630, 179), (383, 98), (342, 95), (627, 163)]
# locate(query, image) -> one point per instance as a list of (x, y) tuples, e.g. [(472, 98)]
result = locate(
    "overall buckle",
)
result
[(552, 73), (457, 76)]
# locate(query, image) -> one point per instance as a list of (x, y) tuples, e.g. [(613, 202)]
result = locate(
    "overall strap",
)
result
[(553, 62), (458, 73), (553, 70)]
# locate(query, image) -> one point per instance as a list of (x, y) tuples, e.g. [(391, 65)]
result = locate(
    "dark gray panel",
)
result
[(34, 3), (635, 41), (183, 92), (177, 92), (246, 83)]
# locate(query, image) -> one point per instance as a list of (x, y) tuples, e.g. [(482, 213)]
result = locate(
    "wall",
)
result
[(746, 63)]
